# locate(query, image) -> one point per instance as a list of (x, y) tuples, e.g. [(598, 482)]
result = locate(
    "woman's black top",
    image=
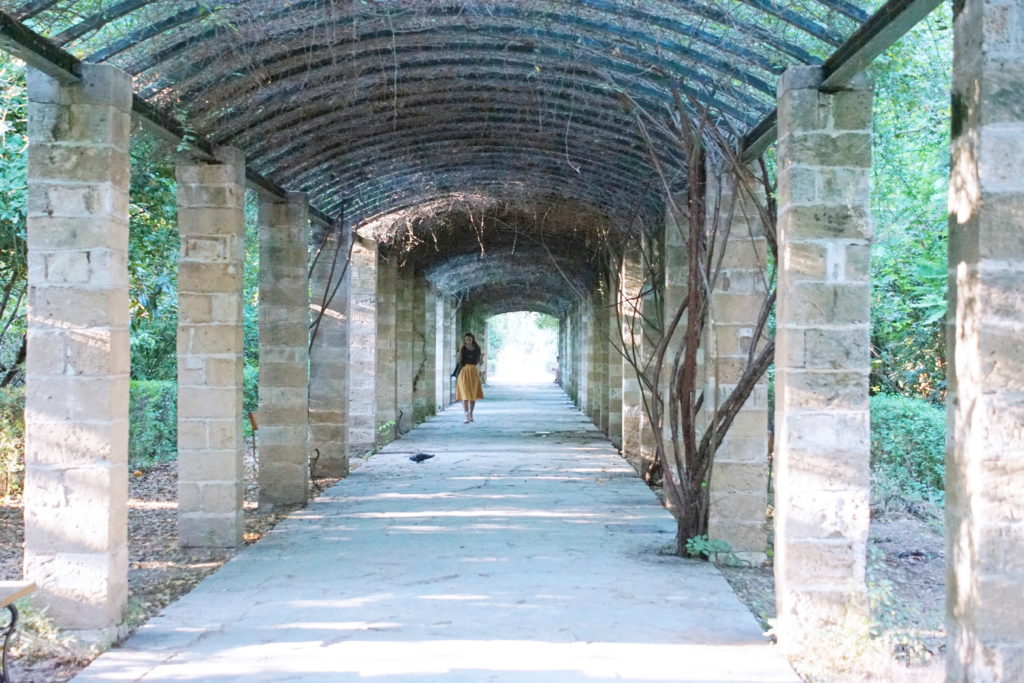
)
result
[(470, 356)]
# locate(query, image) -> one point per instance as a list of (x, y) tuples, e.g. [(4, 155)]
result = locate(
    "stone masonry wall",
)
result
[(362, 349), (613, 358), (387, 349), (404, 338), (211, 222), (283, 434), (330, 285), (631, 309), (822, 363), (985, 453), (739, 481), (424, 350), (76, 407)]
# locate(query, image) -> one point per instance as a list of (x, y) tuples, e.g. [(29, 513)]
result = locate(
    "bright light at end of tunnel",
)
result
[(522, 348)]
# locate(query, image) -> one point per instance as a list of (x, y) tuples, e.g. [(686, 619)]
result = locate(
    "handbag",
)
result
[(458, 369)]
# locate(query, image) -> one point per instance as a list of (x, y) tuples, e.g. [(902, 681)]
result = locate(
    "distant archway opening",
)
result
[(522, 348)]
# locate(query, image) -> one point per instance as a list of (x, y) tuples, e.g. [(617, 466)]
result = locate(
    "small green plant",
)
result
[(702, 546), (38, 638)]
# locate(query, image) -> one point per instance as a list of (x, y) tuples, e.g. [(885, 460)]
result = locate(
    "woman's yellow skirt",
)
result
[(467, 386)]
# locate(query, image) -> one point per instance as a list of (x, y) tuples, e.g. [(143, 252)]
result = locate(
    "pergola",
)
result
[(461, 158)]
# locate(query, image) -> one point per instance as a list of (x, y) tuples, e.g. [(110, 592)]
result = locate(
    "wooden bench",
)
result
[(9, 592)]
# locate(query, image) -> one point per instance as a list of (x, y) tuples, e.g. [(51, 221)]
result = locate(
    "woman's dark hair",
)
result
[(471, 336)]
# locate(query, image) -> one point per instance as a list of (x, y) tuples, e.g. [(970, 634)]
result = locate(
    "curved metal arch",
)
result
[(382, 144), (468, 69), (308, 179), (613, 128), (303, 72), (139, 37), (282, 122), (524, 303), (408, 194), (236, 122), (420, 58), (479, 271), (455, 199), (481, 122), (98, 20), (197, 72), (673, 26), (31, 9), (797, 20)]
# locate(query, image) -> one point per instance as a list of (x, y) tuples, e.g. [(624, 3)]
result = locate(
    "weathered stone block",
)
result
[(77, 370), (825, 221), (812, 303)]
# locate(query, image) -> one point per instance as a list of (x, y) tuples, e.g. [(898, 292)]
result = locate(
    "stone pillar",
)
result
[(76, 404), (585, 335), (211, 222), (739, 480), (329, 356), (652, 324), (405, 370), (595, 360), (283, 435), (600, 356), (674, 283), (577, 338), (985, 455), (631, 310), (451, 344), (821, 382), (387, 349), (362, 349), (440, 352), (424, 351), (614, 362)]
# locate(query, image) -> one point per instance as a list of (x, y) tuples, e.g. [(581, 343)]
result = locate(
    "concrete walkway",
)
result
[(525, 550)]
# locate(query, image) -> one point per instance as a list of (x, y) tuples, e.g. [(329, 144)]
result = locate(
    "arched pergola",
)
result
[(443, 161)]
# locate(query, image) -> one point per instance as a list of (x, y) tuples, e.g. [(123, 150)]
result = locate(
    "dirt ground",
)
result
[(159, 572), (907, 588)]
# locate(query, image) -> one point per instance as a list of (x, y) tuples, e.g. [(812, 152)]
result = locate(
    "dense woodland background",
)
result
[(910, 176)]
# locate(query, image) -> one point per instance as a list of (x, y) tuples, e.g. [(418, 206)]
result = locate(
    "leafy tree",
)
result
[(910, 177)]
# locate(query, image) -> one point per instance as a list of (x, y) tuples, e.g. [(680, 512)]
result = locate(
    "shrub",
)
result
[(908, 447), (12, 439), (153, 415)]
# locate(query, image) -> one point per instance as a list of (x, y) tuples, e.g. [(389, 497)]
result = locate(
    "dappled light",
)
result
[(522, 550)]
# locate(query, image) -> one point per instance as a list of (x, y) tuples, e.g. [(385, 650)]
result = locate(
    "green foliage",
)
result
[(702, 546), (250, 388), (908, 446), (12, 440), (153, 422), (153, 261), (13, 188), (910, 175)]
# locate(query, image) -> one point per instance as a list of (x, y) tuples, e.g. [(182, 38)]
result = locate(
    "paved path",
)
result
[(525, 550)]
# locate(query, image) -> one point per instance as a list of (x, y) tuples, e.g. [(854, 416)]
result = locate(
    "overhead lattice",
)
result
[(374, 107)]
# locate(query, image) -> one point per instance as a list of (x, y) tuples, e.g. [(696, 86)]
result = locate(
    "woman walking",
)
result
[(467, 387)]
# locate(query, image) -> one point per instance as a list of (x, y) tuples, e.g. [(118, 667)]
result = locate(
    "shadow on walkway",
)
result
[(525, 550)]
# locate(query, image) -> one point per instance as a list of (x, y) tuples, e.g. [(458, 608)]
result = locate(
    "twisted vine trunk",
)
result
[(686, 451)]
